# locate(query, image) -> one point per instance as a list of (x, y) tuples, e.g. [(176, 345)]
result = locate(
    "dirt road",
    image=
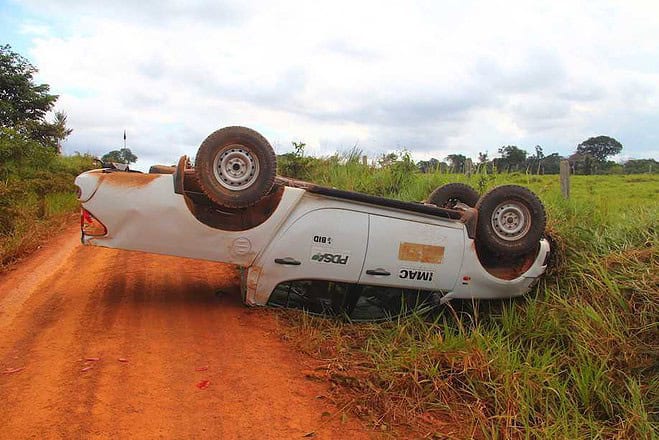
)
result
[(129, 345)]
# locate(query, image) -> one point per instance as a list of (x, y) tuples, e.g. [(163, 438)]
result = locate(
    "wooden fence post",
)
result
[(468, 166), (364, 160), (565, 179)]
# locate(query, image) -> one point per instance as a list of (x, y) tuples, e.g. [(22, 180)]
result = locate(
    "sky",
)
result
[(432, 77)]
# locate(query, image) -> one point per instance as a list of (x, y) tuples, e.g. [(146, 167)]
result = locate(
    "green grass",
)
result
[(60, 203), (35, 221), (577, 357), (37, 195)]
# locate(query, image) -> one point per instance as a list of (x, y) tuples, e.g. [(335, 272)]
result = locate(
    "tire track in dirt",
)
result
[(161, 315)]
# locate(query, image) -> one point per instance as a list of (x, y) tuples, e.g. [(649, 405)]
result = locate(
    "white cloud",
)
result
[(435, 78)]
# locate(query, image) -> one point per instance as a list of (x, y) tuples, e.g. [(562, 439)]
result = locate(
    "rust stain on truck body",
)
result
[(130, 180)]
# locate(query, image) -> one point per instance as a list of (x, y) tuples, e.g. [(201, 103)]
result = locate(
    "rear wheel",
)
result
[(511, 220), (236, 167), (447, 196)]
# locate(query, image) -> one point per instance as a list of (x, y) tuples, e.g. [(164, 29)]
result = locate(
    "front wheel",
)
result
[(236, 167), (511, 220)]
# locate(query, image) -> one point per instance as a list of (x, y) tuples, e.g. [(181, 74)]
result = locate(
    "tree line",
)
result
[(24, 106), (590, 157)]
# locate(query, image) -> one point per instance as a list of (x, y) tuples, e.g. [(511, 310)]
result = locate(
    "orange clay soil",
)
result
[(102, 343)]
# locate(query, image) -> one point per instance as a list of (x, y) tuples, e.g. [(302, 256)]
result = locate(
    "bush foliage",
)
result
[(36, 185)]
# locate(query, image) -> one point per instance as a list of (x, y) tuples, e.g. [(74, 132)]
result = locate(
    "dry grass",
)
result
[(28, 238)]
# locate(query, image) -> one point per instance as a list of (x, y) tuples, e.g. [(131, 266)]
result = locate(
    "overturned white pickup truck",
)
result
[(322, 249)]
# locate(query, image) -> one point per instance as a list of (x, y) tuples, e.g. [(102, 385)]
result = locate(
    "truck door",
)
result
[(409, 254), (324, 244)]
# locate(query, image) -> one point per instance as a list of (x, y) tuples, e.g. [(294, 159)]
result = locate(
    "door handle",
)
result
[(378, 271), (288, 261)]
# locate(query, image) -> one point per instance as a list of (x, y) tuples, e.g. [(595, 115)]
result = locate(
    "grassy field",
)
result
[(576, 358)]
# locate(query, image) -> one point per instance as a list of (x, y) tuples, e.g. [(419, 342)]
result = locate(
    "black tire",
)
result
[(236, 167), (446, 196), (511, 220)]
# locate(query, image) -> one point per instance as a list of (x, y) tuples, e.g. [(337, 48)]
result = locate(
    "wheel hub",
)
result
[(235, 167), (511, 220)]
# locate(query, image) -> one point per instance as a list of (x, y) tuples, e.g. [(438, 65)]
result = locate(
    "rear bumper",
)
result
[(475, 282)]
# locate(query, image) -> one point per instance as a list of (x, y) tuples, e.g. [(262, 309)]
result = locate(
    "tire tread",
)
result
[(461, 191), (486, 206), (204, 164)]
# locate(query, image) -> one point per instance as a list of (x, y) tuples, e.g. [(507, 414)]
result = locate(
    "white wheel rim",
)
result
[(511, 221), (235, 167)]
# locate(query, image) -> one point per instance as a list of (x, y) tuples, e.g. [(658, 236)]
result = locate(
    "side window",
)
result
[(315, 296), (376, 303), (356, 302)]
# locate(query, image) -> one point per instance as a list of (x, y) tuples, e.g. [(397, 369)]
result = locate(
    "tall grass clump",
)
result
[(36, 192), (577, 357)]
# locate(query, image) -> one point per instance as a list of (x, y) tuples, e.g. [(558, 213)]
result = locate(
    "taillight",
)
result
[(90, 225)]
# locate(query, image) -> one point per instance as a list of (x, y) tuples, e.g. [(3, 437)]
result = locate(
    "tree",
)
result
[(551, 164), (599, 148), (123, 155), (428, 166), (456, 162), (535, 161), (24, 104), (387, 159), (638, 166), (578, 163), (61, 132), (512, 158)]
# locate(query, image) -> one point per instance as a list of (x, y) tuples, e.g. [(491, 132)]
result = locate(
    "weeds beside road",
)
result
[(37, 195)]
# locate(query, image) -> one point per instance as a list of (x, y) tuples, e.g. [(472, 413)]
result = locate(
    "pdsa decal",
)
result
[(415, 274), (331, 256)]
